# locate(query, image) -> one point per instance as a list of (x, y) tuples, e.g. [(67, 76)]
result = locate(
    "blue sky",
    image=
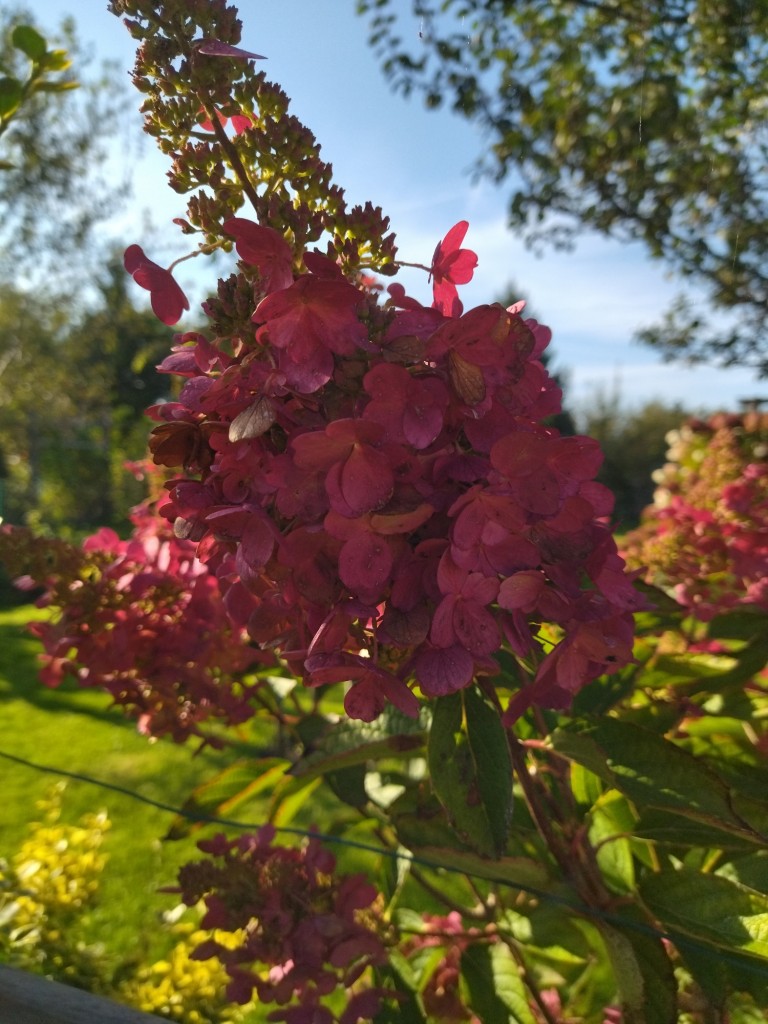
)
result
[(416, 164)]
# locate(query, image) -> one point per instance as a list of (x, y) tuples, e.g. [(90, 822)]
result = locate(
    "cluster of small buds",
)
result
[(372, 485), (297, 932), (706, 535)]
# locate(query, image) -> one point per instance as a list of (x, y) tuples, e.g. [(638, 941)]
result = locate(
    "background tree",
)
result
[(73, 389), (55, 134), (641, 121), (634, 443), (63, 443)]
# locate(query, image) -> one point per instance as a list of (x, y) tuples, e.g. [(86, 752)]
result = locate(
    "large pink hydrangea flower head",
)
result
[(373, 477)]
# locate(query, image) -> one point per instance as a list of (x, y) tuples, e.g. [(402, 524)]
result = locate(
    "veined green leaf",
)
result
[(470, 770), (653, 772), (497, 993), (711, 908), (612, 822)]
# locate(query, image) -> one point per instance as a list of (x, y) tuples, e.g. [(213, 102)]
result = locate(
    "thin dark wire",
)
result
[(681, 941)]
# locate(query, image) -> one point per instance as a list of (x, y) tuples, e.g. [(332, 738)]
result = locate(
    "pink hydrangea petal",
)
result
[(364, 701), (521, 589), (366, 479), (444, 671), (166, 297), (266, 249), (365, 562), (476, 628)]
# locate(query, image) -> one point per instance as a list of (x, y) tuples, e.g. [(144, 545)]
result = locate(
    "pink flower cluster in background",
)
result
[(300, 932), (372, 485), (144, 620), (706, 535)]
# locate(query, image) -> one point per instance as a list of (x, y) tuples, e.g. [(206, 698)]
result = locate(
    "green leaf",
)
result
[(219, 796), (611, 822), (288, 799), (43, 86), (332, 745), (751, 871), (518, 872), (420, 821), (496, 990), (348, 784), (711, 908), (586, 785), (406, 1009), (644, 974), (653, 772), (470, 769), (742, 1011), (674, 830), (743, 623), (56, 60), (335, 752), (29, 41), (11, 95)]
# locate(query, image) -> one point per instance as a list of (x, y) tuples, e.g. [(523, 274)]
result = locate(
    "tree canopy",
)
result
[(55, 125), (641, 121)]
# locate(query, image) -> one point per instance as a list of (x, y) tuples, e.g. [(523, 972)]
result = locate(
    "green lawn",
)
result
[(76, 730)]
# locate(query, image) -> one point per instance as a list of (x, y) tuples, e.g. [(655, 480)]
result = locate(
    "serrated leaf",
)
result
[(11, 94), (218, 796), (653, 772), (711, 908), (475, 792), (496, 990), (29, 41)]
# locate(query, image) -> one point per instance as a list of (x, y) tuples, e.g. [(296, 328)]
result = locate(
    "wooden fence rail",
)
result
[(29, 999)]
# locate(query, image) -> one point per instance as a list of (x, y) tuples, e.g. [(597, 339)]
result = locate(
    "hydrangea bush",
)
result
[(706, 535), (368, 538)]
